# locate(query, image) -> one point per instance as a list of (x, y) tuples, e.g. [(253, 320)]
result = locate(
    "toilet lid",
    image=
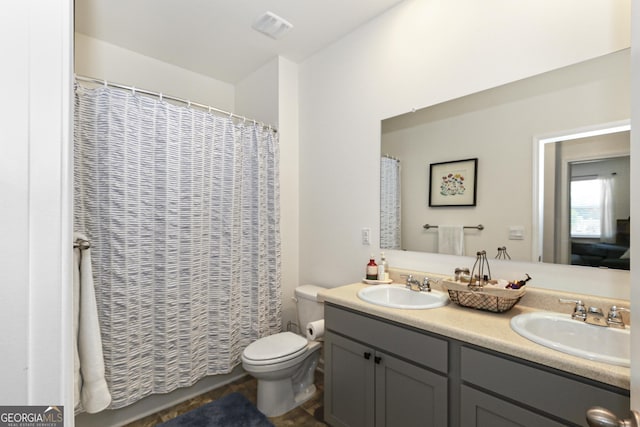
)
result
[(275, 346)]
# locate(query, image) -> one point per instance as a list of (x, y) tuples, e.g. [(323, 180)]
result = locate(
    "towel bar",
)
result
[(478, 227)]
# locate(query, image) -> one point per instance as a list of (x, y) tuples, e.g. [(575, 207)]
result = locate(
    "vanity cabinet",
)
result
[(381, 373), (498, 390), (383, 380)]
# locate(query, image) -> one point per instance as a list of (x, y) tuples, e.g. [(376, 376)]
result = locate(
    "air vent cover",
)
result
[(272, 25)]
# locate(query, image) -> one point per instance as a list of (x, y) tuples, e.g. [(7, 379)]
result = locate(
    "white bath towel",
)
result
[(91, 388), (451, 239)]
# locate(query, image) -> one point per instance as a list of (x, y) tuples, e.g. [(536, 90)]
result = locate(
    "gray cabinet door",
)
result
[(559, 395), (478, 409), (349, 382), (407, 395)]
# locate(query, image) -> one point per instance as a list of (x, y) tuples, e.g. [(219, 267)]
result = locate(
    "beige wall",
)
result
[(97, 59), (270, 94), (289, 188)]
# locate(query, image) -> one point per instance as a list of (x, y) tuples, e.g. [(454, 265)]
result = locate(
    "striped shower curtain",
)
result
[(182, 211), (390, 220)]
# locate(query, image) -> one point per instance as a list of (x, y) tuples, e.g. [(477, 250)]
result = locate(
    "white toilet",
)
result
[(284, 363)]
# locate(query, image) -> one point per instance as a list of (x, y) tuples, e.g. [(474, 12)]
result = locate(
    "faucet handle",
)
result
[(426, 284), (410, 280), (579, 311), (614, 318), (618, 308)]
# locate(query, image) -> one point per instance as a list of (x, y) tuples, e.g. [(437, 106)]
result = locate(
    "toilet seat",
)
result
[(274, 349)]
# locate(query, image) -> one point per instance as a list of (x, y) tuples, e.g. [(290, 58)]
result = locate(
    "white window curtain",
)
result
[(390, 194), (607, 216), (182, 211)]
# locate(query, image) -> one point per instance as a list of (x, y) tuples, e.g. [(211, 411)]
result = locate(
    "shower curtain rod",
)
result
[(162, 96)]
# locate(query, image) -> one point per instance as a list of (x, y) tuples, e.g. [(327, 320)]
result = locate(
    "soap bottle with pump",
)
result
[(383, 268), (372, 269)]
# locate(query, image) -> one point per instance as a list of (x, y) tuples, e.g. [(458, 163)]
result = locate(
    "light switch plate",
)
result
[(366, 236), (516, 232)]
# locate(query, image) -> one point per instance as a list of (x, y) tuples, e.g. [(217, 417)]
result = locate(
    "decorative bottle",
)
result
[(372, 269)]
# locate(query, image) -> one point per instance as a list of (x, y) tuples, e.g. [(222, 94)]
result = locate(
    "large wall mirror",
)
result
[(527, 200)]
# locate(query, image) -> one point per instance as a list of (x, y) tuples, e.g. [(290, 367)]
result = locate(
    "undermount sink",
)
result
[(560, 332), (397, 296)]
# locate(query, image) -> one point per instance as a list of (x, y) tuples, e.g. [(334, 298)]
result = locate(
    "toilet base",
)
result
[(280, 391), (305, 394), (276, 397)]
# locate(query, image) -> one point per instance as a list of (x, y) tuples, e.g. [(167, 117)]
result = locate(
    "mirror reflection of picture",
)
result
[(453, 183)]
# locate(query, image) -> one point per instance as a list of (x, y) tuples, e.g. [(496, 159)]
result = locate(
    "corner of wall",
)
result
[(289, 177), (270, 94)]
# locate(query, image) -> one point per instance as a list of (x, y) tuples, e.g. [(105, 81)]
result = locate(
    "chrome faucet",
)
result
[(614, 318), (595, 315), (411, 281), (425, 286)]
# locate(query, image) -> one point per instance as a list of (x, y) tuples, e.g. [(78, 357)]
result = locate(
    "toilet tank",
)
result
[(309, 309)]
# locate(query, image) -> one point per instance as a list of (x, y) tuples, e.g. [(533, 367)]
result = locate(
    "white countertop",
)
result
[(485, 329)]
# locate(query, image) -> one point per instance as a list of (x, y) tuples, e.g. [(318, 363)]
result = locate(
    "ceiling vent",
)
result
[(272, 25)]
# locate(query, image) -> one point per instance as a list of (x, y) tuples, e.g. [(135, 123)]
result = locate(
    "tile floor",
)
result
[(309, 414)]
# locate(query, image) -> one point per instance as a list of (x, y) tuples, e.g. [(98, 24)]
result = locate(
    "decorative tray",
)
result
[(377, 282), (488, 297)]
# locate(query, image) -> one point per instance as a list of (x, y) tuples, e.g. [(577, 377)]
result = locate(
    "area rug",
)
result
[(232, 410)]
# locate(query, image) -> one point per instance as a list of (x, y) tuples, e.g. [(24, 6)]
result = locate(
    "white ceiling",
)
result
[(214, 37)]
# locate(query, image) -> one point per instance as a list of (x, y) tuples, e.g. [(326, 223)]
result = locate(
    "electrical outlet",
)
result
[(366, 236)]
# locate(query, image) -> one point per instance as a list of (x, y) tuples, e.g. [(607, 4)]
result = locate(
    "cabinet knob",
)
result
[(600, 417), (377, 359), (367, 355)]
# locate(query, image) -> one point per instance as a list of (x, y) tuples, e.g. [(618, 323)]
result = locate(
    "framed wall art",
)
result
[(453, 183)]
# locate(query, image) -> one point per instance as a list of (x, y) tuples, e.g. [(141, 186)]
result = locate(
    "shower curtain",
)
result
[(182, 211), (390, 235)]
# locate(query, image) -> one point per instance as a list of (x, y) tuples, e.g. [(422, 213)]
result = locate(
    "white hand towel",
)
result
[(90, 383), (451, 239)]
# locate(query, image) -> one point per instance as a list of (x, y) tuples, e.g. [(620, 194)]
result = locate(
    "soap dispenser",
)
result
[(384, 266)]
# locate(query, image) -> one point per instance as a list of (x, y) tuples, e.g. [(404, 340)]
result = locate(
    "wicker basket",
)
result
[(488, 298)]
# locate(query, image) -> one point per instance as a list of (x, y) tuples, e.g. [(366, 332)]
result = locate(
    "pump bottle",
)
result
[(383, 268)]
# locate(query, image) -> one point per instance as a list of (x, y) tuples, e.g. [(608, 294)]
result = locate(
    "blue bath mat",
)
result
[(232, 410)]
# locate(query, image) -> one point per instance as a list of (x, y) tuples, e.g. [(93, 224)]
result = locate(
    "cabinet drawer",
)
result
[(564, 396), (407, 343)]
